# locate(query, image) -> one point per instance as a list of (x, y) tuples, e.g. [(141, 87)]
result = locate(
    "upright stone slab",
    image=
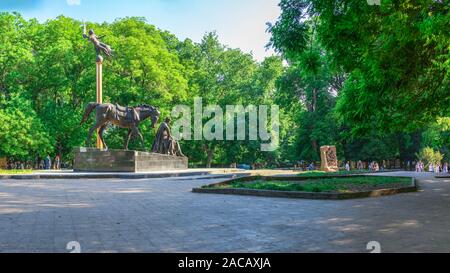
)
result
[(328, 156), (94, 160)]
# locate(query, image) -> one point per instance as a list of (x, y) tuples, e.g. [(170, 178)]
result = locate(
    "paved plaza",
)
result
[(162, 215)]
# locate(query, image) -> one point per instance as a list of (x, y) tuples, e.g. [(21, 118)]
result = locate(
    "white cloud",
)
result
[(73, 2)]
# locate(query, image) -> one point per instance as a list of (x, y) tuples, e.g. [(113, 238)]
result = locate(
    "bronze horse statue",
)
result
[(122, 117)]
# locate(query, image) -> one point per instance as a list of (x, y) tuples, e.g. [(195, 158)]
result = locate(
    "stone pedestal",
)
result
[(95, 160), (328, 156)]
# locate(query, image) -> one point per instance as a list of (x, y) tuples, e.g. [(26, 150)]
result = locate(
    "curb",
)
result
[(303, 195), (207, 175)]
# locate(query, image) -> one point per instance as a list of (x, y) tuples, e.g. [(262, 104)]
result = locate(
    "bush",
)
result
[(430, 156)]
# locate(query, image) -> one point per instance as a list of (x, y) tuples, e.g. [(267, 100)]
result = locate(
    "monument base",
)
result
[(95, 160), (329, 169)]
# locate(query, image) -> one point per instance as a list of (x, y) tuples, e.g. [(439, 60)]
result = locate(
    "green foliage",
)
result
[(320, 173), (396, 56), (223, 76), (49, 77), (307, 91), (325, 184), (430, 156), (437, 136), (15, 172), (22, 132), (372, 80), (386, 66)]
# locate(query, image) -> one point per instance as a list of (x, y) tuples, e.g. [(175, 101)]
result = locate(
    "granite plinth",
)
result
[(95, 160)]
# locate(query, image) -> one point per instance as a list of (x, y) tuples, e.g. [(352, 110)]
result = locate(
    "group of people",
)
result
[(18, 165), (39, 164), (434, 168), (47, 164), (373, 166)]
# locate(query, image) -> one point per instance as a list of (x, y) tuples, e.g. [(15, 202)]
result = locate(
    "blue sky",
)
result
[(239, 23)]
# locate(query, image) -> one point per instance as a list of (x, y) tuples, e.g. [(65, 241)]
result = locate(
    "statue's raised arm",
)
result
[(84, 31)]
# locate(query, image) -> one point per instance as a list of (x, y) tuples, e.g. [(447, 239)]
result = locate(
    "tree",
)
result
[(437, 136), (22, 132), (308, 88), (47, 76), (15, 52), (57, 73), (396, 57), (380, 64), (222, 77), (430, 156)]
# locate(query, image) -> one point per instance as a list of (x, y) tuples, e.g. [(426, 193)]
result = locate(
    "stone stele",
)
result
[(328, 156)]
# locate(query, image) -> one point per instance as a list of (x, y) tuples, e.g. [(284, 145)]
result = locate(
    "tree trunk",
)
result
[(314, 146), (209, 159), (210, 155), (314, 100)]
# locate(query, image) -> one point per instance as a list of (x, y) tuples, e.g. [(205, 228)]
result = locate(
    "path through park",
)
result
[(162, 215)]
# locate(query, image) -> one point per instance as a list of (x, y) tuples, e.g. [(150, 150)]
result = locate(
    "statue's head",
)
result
[(91, 32)]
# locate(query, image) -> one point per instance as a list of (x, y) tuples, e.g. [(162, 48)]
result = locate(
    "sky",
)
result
[(239, 23)]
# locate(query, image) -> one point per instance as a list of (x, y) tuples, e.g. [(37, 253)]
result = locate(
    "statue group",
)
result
[(127, 117), (130, 118)]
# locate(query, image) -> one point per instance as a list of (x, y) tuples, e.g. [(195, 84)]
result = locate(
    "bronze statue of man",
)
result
[(164, 142), (98, 45)]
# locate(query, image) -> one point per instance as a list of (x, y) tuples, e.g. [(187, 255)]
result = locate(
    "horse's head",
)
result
[(155, 117), (151, 112)]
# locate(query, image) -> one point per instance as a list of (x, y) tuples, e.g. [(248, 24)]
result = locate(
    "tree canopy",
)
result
[(372, 80), (48, 77), (384, 71), (395, 57)]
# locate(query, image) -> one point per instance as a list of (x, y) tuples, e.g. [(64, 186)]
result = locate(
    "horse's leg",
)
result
[(100, 134), (138, 133), (91, 132), (127, 139), (88, 140)]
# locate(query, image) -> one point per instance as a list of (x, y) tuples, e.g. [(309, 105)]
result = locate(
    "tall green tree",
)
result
[(308, 90), (22, 133), (396, 56)]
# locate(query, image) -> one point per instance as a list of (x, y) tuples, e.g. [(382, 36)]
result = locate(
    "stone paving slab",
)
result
[(162, 215)]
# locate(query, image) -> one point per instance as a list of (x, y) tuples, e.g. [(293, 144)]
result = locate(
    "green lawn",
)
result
[(9, 172), (347, 184), (319, 173)]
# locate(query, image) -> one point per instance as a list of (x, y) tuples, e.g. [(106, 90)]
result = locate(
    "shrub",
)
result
[(430, 156)]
